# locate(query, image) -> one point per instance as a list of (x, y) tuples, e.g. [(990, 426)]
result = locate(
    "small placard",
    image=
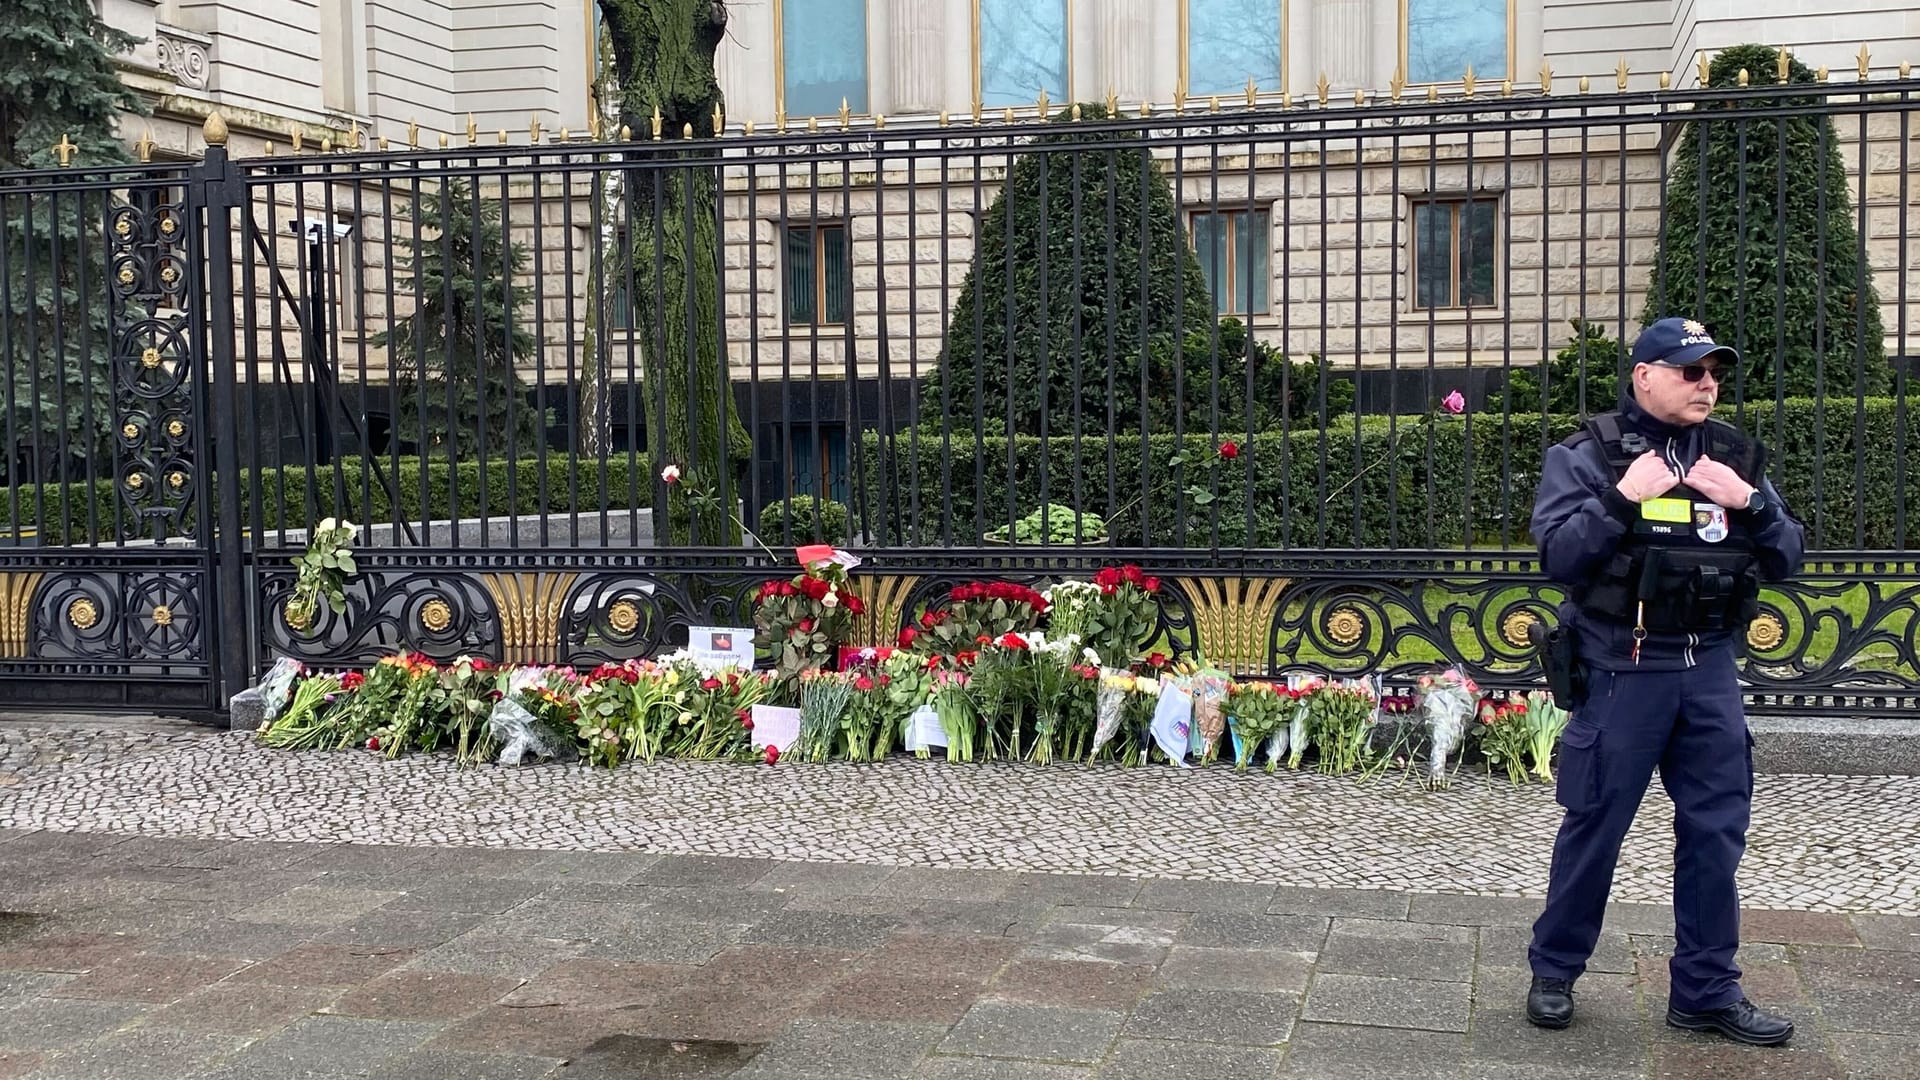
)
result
[(775, 725), (722, 645), (924, 730)]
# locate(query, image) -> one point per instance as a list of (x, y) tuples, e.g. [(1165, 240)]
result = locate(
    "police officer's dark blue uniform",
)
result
[(1663, 575)]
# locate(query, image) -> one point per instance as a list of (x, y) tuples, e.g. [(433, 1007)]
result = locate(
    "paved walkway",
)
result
[(142, 934)]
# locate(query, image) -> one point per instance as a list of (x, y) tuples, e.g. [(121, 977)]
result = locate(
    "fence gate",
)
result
[(109, 580)]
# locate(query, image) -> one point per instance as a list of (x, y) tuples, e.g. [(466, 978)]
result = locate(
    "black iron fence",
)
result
[(1323, 344)]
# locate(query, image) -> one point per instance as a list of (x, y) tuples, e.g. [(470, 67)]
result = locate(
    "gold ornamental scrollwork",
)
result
[(176, 429), (162, 615), (623, 617), (1513, 629), (126, 275), (123, 228), (1766, 632), (1346, 626), (436, 616), (177, 480), (83, 613), (131, 431), (149, 356)]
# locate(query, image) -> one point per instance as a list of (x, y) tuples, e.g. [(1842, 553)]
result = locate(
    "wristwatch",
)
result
[(1755, 503)]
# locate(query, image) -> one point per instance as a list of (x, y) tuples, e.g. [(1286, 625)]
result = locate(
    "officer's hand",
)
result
[(1718, 482), (1647, 478)]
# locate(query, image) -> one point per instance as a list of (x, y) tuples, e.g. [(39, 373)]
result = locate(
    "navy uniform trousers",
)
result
[(1691, 726)]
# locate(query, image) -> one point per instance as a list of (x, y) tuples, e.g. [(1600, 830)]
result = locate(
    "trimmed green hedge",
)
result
[(1412, 487), (366, 498), (813, 520)]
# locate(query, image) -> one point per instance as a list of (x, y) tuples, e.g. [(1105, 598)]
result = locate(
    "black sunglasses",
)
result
[(1693, 373)]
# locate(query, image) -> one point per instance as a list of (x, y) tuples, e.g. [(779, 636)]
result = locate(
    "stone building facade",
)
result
[(1320, 239)]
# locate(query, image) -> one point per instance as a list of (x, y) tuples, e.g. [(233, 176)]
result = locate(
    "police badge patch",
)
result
[(1710, 522)]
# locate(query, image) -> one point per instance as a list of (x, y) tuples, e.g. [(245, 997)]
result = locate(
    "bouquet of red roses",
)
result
[(805, 619), (1125, 617)]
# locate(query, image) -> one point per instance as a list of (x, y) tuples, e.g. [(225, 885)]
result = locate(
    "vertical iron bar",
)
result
[(1901, 372), (84, 353), (1046, 315), (722, 439), (1860, 345), (1078, 302), (540, 406), (756, 485), (214, 186), (1820, 346)]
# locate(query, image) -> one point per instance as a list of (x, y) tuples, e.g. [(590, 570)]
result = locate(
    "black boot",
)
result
[(1550, 1003), (1740, 1021)]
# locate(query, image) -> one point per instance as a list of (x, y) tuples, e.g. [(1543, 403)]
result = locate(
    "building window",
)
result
[(819, 275), (1022, 50), (823, 56), (1453, 253), (1229, 42), (817, 460), (1234, 247), (1440, 38)]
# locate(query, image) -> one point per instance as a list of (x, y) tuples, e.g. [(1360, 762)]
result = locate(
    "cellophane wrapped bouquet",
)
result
[(1446, 706)]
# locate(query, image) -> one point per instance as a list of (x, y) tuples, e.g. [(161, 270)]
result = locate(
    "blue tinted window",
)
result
[(1229, 41), (823, 46), (1233, 248), (1444, 36), (1023, 50)]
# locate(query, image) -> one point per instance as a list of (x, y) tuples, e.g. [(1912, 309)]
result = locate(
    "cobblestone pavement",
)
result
[(1825, 844), (180, 959)]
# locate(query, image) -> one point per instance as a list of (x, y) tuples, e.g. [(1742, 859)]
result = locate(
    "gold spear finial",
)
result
[(780, 121), (1075, 112), (1360, 98), (1506, 87), (1113, 102), (747, 126), (658, 121), (813, 124), (383, 144), (880, 121), (473, 130), (1666, 80), (215, 129), (145, 146), (1041, 103), (1906, 69), (1179, 99), (1466, 81), (566, 134), (1822, 73), (1286, 100), (1620, 75), (444, 140), (533, 130), (1706, 69), (719, 120), (353, 135), (846, 115), (944, 118), (979, 108), (1253, 92), (1585, 84), (1782, 64), (1866, 61), (413, 133), (503, 136), (1546, 78), (1397, 85), (1006, 117), (299, 136), (1213, 103), (267, 148), (326, 145), (686, 130), (1146, 109), (1321, 88), (593, 126), (1742, 78), (1433, 91)]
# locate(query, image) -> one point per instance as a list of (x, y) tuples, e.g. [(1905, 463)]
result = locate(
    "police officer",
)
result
[(1660, 521)]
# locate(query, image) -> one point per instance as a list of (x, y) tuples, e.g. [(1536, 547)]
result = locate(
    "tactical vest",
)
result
[(1686, 564)]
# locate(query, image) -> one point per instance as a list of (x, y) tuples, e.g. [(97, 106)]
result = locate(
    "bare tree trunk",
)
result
[(664, 53)]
